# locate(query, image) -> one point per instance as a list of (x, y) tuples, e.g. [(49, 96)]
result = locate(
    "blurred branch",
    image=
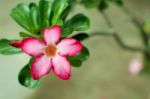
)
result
[(119, 41), (116, 36), (138, 22)]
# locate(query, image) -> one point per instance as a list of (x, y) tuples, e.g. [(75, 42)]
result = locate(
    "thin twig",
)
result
[(119, 41), (116, 36), (139, 23)]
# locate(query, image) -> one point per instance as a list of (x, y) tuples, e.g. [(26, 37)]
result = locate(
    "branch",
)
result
[(138, 22), (116, 36), (119, 41)]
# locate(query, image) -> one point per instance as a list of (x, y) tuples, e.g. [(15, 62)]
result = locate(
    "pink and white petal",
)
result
[(69, 47), (16, 44), (52, 35), (135, 66), (40, 66), (61, 67), (33, 46)]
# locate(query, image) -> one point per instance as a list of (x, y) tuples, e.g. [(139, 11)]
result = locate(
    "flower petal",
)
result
[(69, 47), (135, 66), (33, 46), (16, 44), (61, 67), (52, 35), (40, 66)]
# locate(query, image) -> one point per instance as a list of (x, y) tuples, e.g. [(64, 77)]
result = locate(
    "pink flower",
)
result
[(135, 66), (51, 53)]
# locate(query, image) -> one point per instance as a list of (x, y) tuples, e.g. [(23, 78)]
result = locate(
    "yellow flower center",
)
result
[(51, 50)]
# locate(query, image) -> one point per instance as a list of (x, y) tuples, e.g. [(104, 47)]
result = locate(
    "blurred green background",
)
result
[(104, 76)]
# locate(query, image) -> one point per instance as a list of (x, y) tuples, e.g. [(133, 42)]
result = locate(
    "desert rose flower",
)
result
[(135, 66), (50, 53)]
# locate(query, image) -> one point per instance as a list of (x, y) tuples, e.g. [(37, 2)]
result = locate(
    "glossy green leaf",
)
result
[(65, 13), (119, 2), (66, 31), (77, 60), (78, 22), (81, 36), (70, 7), (90, 3), (21, 15), (25, 78), (35, 18), (7, 49), (59, 22), (24, 35), (58, 7), (103, 5), (45, 8)]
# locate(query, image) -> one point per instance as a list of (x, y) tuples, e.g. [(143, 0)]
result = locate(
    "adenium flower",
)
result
[(50, 53), (135, 66)]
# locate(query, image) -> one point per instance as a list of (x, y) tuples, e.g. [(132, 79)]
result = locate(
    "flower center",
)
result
[(51, 50)]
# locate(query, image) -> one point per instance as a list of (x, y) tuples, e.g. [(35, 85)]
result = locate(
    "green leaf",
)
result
[(59, 22), (78, 22), (35, 18), (77, 60), (90, 3), (25, 78), (58, 7), (7, 49), (71, 6), (66, 31), (147, 26), (45, 8), (83, 55), (103, 5), (24, 35), (21, 15), (119, 2), (65, 13), (81, 36)]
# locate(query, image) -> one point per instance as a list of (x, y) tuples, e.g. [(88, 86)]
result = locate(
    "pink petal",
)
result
[(33, 46), (40, 66), (69, 47), (52, 35), (16, 44), (61, 67), (135, 66)]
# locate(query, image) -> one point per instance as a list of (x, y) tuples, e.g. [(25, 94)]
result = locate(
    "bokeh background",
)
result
[(104, 76)]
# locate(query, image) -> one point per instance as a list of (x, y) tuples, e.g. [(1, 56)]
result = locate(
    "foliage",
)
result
[(77, 60), (6, 48), (101, 4), (147, 26), (25, 78)]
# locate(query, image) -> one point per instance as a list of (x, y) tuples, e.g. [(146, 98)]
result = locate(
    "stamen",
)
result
[(51, 50)]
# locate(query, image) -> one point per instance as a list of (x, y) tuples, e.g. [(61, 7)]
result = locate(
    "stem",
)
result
[(119, 41), (138, 22), (116, 36), (110, 25)]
